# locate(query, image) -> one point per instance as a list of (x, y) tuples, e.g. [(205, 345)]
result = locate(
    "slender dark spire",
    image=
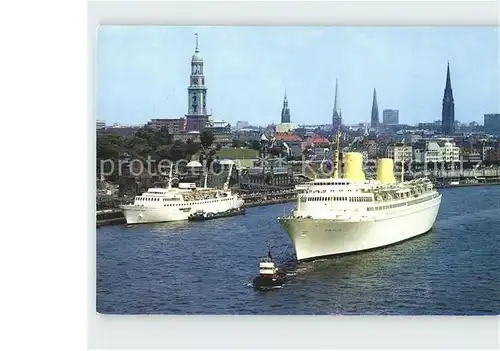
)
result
[(374, 119), (448, 79), (285, 111), (336, 102), (337, 114), (196, 49), (448, 112)]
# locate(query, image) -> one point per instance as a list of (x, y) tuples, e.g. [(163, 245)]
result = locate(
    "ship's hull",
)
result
[(314, 238), (263, 283), (142, 214)]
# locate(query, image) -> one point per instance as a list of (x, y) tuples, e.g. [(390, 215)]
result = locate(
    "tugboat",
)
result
[(269, 275)]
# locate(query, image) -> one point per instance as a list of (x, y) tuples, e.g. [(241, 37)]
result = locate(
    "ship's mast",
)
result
[(336, 171), (403, 164), (170, 177), (226, 184)]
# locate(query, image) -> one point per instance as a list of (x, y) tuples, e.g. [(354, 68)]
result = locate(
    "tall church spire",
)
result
[(374, 118), (197, 115), (337, 114), (336, 102), (448, 79), (285, 111), (448, 112)]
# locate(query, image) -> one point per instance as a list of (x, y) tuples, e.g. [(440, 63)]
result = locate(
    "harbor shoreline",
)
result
[(115, 216)]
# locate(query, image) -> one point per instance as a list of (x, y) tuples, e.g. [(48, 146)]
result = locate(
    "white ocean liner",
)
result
[(176, 204), (341, 215)]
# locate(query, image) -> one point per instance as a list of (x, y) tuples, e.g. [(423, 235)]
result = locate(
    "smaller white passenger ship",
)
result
[(177, 204)]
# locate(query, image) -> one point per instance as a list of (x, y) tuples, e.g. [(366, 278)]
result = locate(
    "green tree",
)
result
[(191, 148), (108, 146), (157, 143), (255, 144), (164, 136), (163, 152), (207, 138), (178, 151)]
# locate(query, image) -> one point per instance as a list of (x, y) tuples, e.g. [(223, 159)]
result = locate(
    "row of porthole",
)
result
[(189, 203)]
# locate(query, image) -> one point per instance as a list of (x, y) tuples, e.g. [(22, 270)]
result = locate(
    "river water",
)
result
[(206, 267)]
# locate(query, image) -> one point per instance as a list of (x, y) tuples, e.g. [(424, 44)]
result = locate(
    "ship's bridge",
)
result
[(155, 191)]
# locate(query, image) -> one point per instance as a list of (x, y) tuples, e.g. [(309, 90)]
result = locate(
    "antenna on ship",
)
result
[(403, 163), (206, 178), (170, 177), (336, 171), (226, 184)]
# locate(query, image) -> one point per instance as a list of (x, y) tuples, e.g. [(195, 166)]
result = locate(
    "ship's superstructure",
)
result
[(339, 215)]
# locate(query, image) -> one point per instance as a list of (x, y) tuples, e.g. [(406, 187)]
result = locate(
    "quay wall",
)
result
[(115, 215)]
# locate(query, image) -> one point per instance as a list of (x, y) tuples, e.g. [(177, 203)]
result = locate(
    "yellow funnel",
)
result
[(353, 166), (385, 170)]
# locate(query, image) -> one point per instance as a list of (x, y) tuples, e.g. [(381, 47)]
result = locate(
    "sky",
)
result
[(143, 72)]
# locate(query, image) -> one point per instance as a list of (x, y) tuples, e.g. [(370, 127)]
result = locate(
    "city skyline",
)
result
[(143, 72)]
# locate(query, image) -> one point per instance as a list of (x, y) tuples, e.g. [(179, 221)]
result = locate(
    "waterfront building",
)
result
[(372, 149), (436, 150), (99, 124), (294, 148), (292, 143), (174, 125), (399, 152), (337, 113), (472, 127), (221, 131), (374, 117), (193, 135), (247, 135), (448, 112), (241, 125), (435, 126), (118, 130), (218, 127), (472, 157), (305, 130), (197, 116), (493, 155), (449, 151), (492, 123), (390, 117), (267, 174), (285, 127), (316, 141)]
